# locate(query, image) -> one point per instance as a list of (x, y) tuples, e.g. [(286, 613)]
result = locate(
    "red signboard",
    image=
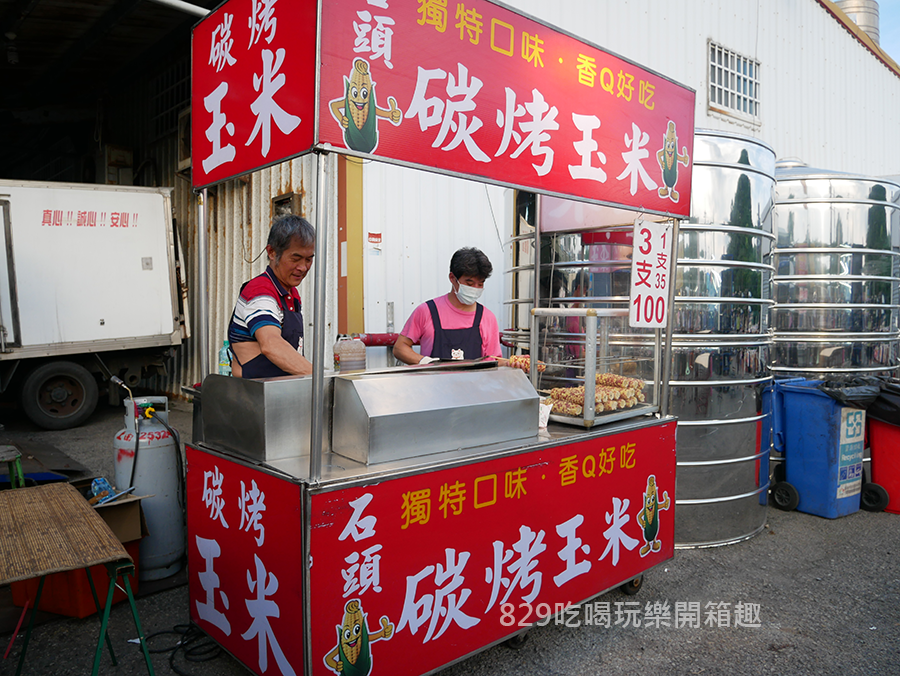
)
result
[(478, 90), (410, 574), (414, 573), (471, 88), (253, 83), (245, 561)]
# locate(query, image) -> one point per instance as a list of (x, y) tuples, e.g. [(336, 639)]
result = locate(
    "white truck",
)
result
[(91, 285)]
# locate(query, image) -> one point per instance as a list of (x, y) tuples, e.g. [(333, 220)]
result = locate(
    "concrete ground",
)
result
[(827, 592)]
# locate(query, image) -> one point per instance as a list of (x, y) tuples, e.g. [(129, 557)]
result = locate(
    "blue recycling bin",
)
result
[(822, 442), (773, 405)]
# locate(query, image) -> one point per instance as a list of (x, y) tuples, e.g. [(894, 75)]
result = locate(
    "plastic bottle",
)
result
[(352, 355), (224, 360), (336, 350)]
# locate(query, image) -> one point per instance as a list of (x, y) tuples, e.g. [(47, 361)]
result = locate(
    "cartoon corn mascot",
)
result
[(352, 655), (358, 112), (668, 159), (648, 517)]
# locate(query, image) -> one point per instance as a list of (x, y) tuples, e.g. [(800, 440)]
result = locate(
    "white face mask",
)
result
[(468, 294)]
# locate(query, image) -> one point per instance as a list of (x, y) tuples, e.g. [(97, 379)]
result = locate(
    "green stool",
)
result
[(117, 570), (11, 456)]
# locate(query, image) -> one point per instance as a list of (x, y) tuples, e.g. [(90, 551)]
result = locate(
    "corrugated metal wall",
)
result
[(824, 97), (165, 155), (239, 215)]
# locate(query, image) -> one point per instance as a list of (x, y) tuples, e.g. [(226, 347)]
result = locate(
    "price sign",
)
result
[(650, 274)]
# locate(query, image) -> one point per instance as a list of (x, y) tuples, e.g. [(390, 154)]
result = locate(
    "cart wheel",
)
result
[(778, 472), (632, 587), (874, 498), (517, 642), (785, 496)]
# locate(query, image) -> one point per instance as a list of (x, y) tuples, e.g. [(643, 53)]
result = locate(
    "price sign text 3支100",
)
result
[(650, 269)]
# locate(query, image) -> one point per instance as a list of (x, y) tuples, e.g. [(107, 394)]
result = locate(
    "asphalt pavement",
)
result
[(806, 596)]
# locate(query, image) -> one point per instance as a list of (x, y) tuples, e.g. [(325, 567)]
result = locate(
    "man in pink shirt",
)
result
[(454, 326)]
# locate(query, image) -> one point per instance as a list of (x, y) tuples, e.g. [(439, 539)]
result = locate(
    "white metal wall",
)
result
[(422, 219), (825, 98)]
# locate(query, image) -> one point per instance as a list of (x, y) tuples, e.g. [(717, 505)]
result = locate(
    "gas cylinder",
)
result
[(157, 473)]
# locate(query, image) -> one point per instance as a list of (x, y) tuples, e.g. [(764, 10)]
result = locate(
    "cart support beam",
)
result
[(590, 366), (318, 354), (667, 348), (535, 324), (202, 282)]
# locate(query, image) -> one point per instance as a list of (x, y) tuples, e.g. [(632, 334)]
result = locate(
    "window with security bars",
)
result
[(170, 93), (733, 83)]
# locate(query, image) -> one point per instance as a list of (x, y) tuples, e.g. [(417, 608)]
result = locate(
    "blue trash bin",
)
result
[(822, 442), (773, 405)]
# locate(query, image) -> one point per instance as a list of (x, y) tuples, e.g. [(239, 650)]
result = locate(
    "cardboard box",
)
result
[(125, 517), (69, 593)]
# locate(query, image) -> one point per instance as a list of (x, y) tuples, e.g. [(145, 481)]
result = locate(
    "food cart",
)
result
[(396, 521)]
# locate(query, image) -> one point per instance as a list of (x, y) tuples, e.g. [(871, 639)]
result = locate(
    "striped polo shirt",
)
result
[(258, 305)]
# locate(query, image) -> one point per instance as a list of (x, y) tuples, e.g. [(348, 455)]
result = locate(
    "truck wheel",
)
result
[(59, 395)]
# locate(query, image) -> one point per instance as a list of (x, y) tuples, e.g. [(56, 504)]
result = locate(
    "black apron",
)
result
[(456, 343), (291, 331)]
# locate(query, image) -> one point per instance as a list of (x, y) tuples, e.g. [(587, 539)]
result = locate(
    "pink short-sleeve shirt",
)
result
[(419, 328)]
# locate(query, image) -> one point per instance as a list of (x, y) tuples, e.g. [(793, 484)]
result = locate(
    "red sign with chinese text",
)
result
[(476, 89), (441, 564), (245, 561), (470, 89), (56, 218), (253, 87)]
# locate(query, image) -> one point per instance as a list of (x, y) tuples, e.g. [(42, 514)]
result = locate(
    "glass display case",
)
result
[(593, 380), (573, 312)]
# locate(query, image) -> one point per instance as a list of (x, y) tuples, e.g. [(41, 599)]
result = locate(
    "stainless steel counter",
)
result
[(383, 417), (338, 471), (379, 417)]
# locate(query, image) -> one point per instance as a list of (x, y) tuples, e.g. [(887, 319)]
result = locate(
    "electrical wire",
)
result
[(137, 443), (115, 380), (182, 489), (193, 643), (487, 194)]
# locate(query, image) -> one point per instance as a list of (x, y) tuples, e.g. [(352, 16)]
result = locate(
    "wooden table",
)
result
[(51, 529)]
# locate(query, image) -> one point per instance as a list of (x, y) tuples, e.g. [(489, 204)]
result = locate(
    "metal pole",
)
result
[(318, 355), (535, 324), (659, 351), (581, 312), (202, 284), (603, 345), (667, 349), (183, 6), (590, 366)]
